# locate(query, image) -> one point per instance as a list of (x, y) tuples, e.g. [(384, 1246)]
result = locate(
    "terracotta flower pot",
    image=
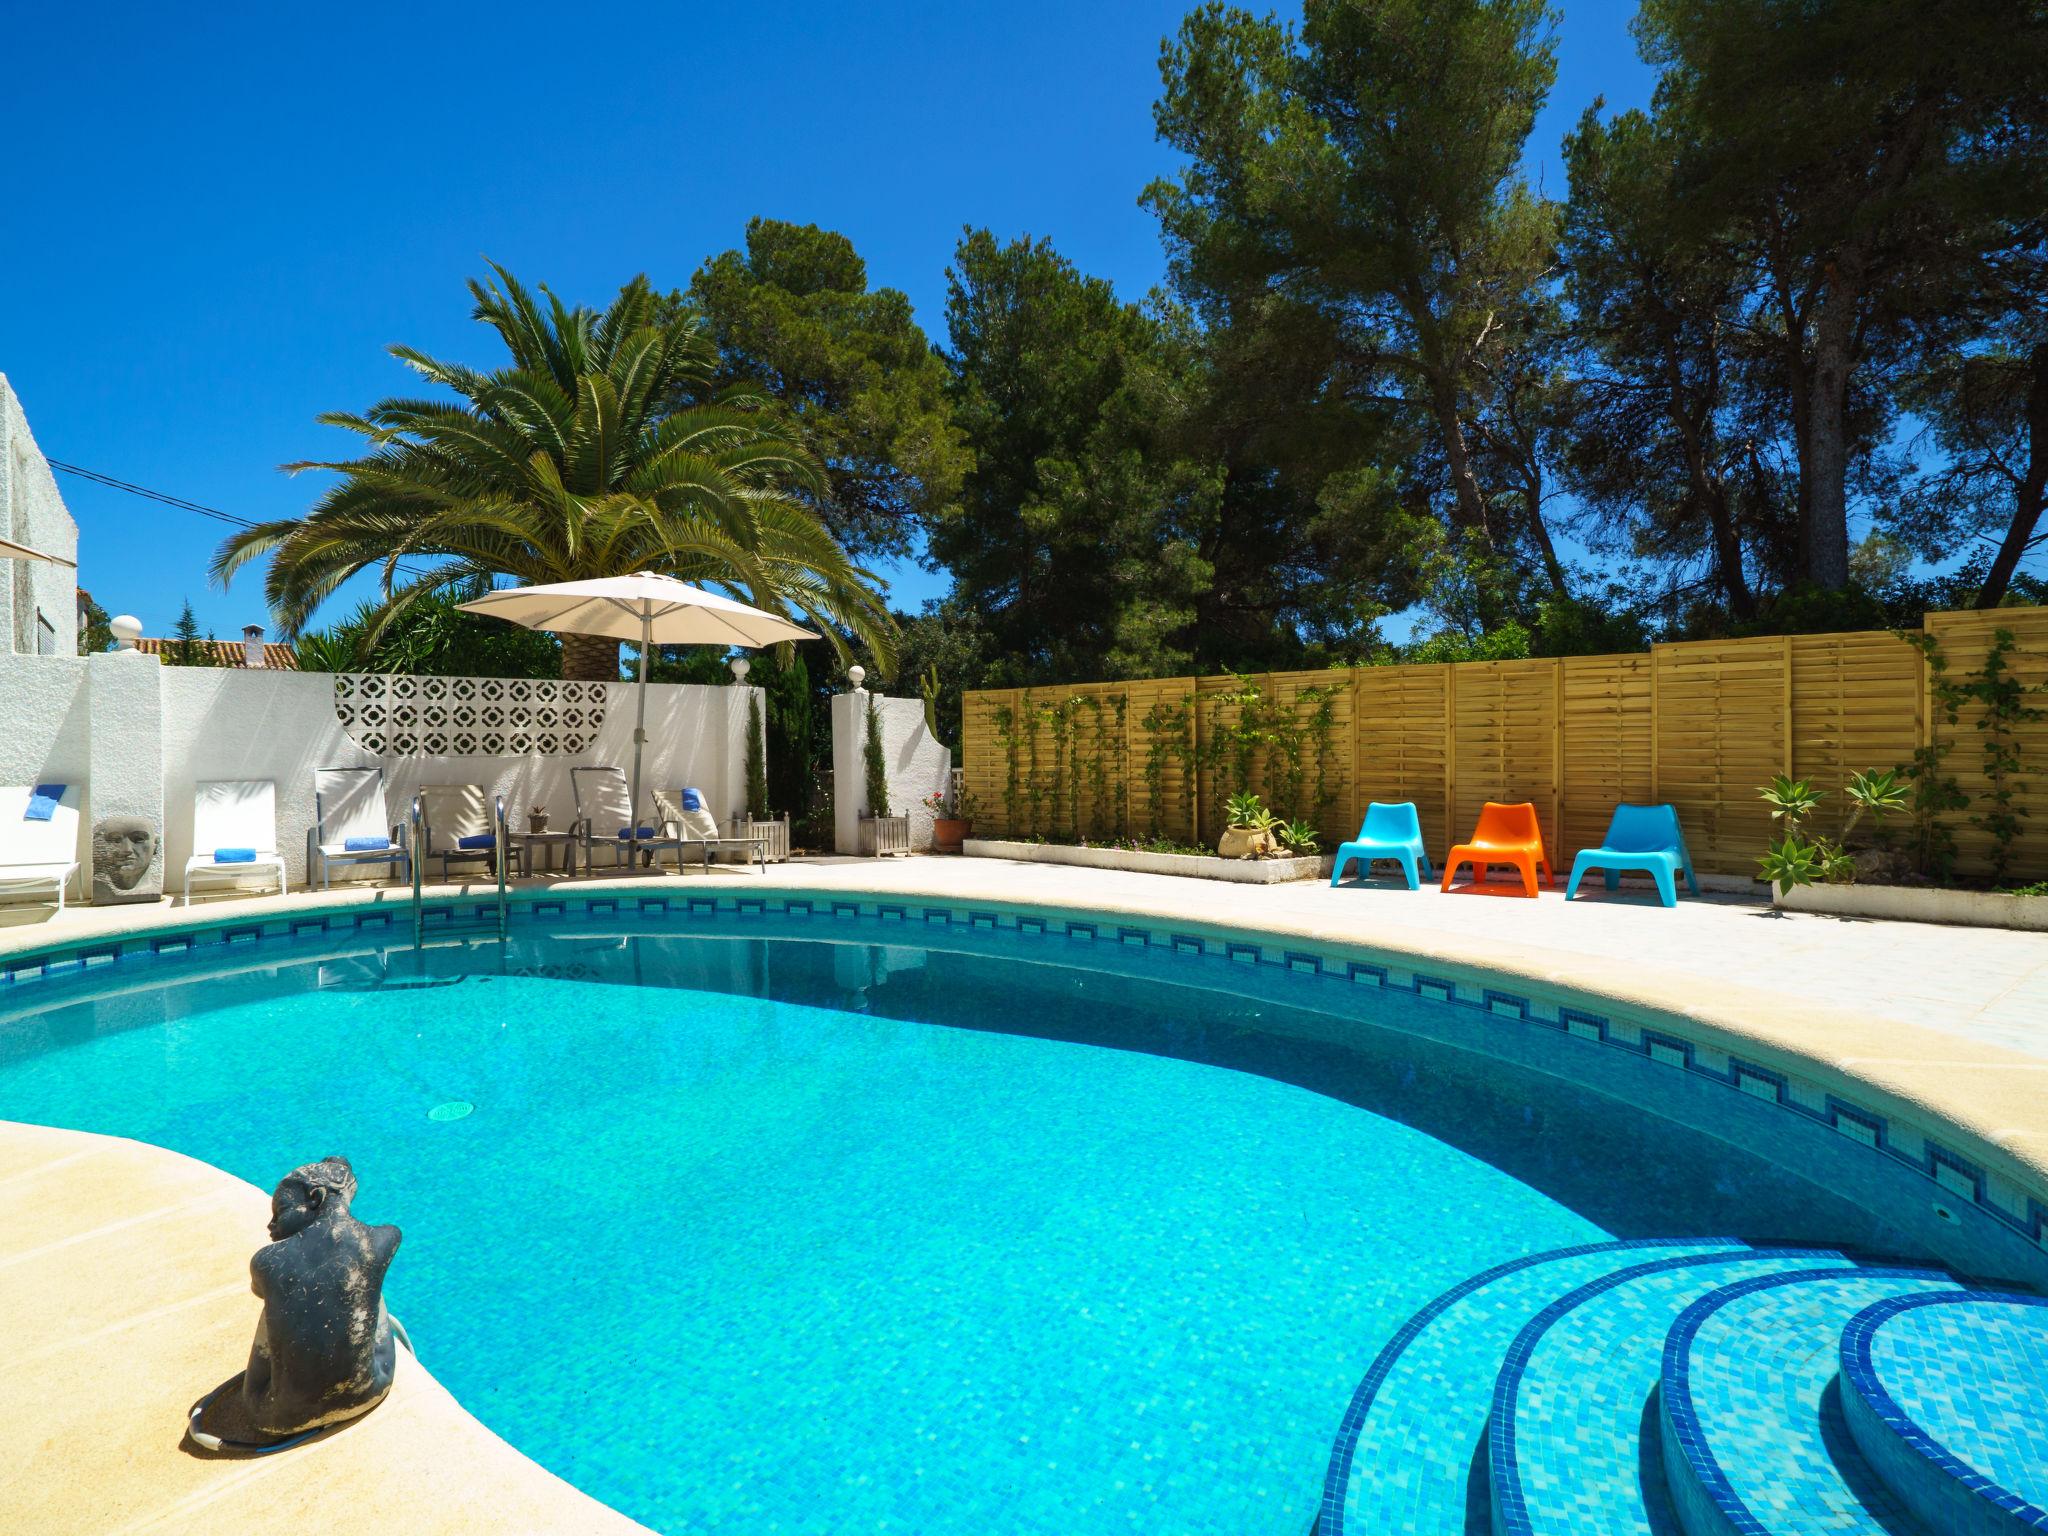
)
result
[(949, 832), (1245, 843)]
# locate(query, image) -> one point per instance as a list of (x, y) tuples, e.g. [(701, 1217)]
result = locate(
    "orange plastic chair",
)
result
[(1506, 834)]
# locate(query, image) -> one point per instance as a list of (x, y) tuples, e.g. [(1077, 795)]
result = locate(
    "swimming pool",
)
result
[(892, 1219)]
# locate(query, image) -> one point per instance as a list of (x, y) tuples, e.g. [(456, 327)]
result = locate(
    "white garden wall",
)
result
[(917, 763), (256, 724)]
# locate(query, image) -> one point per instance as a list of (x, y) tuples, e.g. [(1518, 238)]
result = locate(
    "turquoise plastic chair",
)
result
[(1388, 832), (1641, 837)]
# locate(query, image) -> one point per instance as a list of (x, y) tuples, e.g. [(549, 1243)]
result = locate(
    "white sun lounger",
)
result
[(603, 820), (348, 807), (452, 815), (38, 855), (234, 815)]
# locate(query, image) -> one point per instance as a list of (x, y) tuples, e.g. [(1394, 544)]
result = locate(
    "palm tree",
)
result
[(574, 463)]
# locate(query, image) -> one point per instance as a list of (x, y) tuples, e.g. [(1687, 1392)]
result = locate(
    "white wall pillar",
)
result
[(125, 788), (917, 765)]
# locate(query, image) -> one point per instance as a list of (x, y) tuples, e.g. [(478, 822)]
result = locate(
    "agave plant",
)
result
[(1246, 809), (1877, 793), (1299, 836), (602, 450)]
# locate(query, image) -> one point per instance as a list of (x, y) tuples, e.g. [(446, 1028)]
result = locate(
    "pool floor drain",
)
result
[(454, 1109)]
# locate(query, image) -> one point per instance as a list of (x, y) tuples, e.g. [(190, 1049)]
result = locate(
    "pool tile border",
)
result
[(1920, 1150)]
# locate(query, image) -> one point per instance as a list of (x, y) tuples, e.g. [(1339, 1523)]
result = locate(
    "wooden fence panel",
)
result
[(1701, 724), (1722, 715), (1399, 744), (1606, 744), (1856, 702), (1505, 740), (1170, 697), (1964, 639)]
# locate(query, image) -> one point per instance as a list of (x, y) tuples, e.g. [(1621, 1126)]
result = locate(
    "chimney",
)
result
[(252, 645)]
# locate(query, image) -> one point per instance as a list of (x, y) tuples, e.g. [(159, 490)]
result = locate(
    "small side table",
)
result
[(565, 861)]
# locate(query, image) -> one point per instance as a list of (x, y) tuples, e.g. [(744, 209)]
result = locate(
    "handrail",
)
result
[(501, 835), (419, 854)]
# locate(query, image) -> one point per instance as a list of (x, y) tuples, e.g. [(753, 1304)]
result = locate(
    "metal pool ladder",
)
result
[(500, 837)]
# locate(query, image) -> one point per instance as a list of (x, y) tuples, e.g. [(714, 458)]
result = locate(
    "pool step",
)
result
[(1917, 1374), (1752, 1421), (1404, 1455), (1689, 1388), (1566, 1451)]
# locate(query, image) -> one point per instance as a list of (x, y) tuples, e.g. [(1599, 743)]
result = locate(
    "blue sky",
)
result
[(219, 216)]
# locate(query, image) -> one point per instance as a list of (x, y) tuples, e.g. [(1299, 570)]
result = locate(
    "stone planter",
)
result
[(885, 836), (1919, 904), (949, 832), (1198, 866)]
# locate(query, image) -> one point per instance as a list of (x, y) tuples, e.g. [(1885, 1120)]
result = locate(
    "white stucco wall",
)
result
[(917, 766), (45, 727), (217, 723), (125, 689), (222, 724), (33, 513)]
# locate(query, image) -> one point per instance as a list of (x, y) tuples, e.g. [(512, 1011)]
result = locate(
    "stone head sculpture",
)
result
[(323, 1351), (123, 849)]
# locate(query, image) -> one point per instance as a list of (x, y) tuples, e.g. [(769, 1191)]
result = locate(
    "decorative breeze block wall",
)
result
[(468, 716)]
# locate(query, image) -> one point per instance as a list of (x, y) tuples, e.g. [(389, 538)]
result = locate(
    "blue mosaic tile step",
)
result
[(1754, 1440), (1402, 1462), (1947, 1398), (1565, 1436)]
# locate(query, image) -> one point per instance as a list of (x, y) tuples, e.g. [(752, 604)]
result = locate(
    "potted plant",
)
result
[(952, 819), (1249, 834), (537, 819)]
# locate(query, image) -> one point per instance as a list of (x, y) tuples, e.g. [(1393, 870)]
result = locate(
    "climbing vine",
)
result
[(2001, 704), (1033, 717), (1004, 720), (2003, 698), (1170, 736)]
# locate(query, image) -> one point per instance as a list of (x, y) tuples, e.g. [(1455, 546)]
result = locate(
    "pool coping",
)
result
[(1988, 1097)]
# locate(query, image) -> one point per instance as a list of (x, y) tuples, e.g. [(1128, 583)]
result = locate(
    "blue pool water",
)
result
[(776, 1235)]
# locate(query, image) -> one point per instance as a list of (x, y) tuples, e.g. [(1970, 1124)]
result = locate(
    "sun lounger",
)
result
[(352, 826), (604, 819), (456, 826), (234, 831), (687, 816), (38, 839)]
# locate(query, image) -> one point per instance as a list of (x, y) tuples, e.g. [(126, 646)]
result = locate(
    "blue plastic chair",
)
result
[(1388, 832), (1641, 837)]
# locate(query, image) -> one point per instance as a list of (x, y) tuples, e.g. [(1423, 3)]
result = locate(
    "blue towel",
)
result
[(234, 855), (693, 800), (42, 803), (364, 844), (628, 831), (481, 840)]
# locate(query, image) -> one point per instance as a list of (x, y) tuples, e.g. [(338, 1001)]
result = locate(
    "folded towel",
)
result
[(693, 800), (628, 831), (42, 802), (364, 844), (481, 840), (234, 855)]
